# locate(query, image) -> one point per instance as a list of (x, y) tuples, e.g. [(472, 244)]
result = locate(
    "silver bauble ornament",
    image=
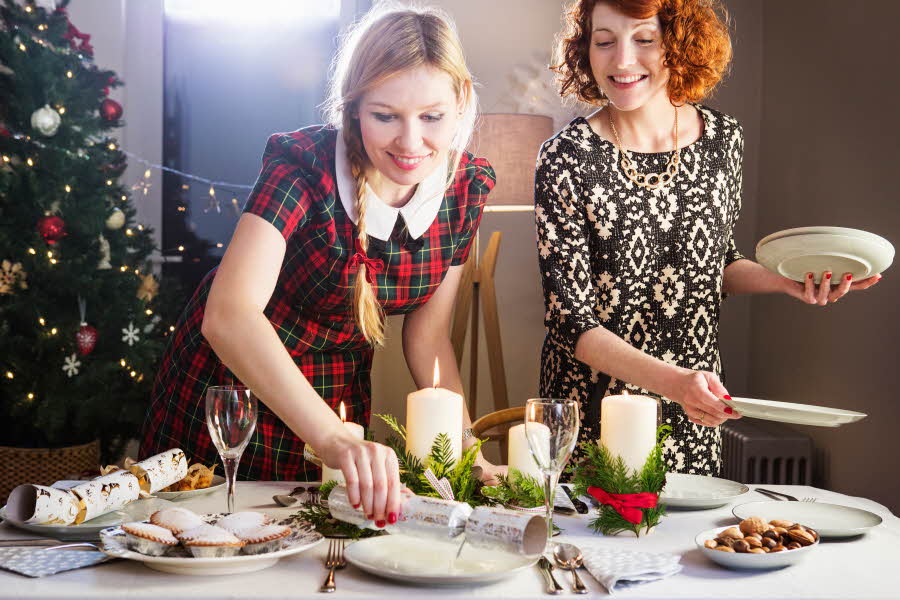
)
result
[(115, 220), (45, 120)]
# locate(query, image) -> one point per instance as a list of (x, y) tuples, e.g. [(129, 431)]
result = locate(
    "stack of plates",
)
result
[(795, 252)]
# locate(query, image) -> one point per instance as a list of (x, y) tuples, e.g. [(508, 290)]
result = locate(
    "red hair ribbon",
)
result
[(627, 505), (373, 265)]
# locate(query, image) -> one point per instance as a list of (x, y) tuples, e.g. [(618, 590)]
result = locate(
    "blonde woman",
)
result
[(369, 215)]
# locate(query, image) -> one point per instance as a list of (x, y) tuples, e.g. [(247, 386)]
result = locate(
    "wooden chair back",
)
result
[(494, 427)]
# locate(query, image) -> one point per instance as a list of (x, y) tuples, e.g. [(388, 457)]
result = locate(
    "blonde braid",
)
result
[(367, 311)]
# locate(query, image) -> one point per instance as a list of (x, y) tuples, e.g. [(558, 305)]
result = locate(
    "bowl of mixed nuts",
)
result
[(758, 544)]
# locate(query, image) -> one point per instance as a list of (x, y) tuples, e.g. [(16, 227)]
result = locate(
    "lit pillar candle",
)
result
[(520, 456), (628, 427), (430, 412), (357, 431)]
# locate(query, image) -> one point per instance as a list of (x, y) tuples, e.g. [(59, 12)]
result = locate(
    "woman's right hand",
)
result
[(372, 475), (700, 394)]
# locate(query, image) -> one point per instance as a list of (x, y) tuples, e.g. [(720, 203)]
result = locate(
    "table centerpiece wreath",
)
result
[(628, 498)]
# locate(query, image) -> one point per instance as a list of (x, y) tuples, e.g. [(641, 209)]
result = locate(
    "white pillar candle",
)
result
[(628, 427), (429, 413), (520, 456), (357, 431)]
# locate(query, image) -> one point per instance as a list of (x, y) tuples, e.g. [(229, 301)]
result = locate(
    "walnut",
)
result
[(753, 525)]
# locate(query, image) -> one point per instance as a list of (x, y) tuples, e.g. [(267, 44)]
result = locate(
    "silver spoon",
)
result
[(289, 500), (569, 557)]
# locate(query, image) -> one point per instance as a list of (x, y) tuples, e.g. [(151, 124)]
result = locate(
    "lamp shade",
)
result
[(511, 143)]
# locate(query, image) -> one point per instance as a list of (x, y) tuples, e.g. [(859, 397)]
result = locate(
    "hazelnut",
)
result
[(740, 546), (711, 544), (778, 548), (725, 541), (724, 548), (756, 551), (771, 535), (768, 543), (732, 532), (753, 525), (781, 523), (753, 542), (794, 546)]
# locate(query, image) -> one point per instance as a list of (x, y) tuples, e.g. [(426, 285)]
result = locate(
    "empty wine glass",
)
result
[(231, 419), (551, 427)]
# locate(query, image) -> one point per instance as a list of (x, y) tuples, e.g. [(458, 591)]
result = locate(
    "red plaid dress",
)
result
[(310, 309)]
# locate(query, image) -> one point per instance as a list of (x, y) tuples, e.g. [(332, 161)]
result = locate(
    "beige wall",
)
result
[(830, 149)]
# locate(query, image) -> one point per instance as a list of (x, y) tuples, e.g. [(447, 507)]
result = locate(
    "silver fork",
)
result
[(775, 496), (313, 495), (334, 560)]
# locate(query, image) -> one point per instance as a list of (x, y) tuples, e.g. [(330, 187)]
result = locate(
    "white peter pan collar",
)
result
[(418, 213)]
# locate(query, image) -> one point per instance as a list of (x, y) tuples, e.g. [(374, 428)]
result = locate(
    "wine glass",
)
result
[(551, 428), (231, 419)]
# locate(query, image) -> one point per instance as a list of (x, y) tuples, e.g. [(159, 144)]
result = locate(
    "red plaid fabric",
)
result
[(310, 308)]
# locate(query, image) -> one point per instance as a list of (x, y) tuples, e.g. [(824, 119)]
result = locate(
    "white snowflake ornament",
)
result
[(130, 334), (71, 365)]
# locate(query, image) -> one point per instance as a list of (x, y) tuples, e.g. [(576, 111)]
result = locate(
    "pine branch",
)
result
[(391, 421)]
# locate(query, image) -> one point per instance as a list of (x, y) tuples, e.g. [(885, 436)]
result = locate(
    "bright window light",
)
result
[(252, 13)]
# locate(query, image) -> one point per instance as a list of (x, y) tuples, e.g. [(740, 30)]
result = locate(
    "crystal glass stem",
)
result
[(231, 465)]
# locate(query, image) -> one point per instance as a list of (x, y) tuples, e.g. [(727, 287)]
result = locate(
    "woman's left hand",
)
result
[(827, 292), (489, 471)]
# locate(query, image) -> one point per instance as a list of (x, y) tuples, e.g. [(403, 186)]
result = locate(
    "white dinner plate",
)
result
[(827, 230), (218, 483), (412, 560), (699, 491), (302, 538), (791, 412), (829, 520), (795, 255), (90, 530), (748, 560)]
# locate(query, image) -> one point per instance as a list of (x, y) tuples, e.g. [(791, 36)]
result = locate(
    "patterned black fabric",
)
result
[(645, 264)]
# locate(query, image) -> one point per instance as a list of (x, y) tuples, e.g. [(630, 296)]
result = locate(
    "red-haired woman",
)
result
[(636, 208)]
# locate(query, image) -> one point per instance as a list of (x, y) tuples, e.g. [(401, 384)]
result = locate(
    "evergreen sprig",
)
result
[(600, 469), (516, 489)]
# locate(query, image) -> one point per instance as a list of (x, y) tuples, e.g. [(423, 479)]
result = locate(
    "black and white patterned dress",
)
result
[(645, 264)]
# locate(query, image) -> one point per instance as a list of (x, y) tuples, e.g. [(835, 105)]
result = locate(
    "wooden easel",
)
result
[(477, 288)]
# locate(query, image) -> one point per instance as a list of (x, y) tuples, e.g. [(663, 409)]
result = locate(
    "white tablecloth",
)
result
[(860, 568)]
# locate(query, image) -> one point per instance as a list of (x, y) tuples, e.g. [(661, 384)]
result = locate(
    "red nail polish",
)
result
[(356, 505), (849, 277), (380, 523), (827, 275), (879, 278), (727, 397), (392, 518), (370, 517), (809, 275), (729, 410)]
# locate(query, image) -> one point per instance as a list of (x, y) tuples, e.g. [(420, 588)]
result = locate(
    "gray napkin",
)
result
[(38, 562), (618, 569)]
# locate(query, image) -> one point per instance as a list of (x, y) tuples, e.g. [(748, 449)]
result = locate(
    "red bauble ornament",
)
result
[(51, 228), (111, 110), (86, 338)]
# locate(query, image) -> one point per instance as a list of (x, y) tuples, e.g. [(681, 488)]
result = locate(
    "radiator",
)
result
[(755, 451)]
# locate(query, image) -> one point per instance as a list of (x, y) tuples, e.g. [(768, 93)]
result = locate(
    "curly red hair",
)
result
[(694, 34)]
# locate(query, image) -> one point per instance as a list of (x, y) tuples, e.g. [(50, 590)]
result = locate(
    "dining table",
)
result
[(862, 567)]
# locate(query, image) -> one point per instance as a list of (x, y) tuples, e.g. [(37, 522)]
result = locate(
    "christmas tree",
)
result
[(82, 326)]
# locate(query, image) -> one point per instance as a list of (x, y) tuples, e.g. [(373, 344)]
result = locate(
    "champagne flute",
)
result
[(231, 419), (551, 428)]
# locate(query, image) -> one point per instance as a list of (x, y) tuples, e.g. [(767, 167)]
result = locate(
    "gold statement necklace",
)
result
[(648, 180)]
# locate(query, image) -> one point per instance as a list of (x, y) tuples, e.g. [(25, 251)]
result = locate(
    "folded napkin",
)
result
[(35, 562), (618, 569)]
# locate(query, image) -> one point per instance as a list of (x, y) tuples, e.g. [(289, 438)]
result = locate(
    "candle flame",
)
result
[(437, 374), (343, 412)]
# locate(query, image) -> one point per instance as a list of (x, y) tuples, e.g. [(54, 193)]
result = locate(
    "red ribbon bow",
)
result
[(84, 40), (627, 505), (373, 265)]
